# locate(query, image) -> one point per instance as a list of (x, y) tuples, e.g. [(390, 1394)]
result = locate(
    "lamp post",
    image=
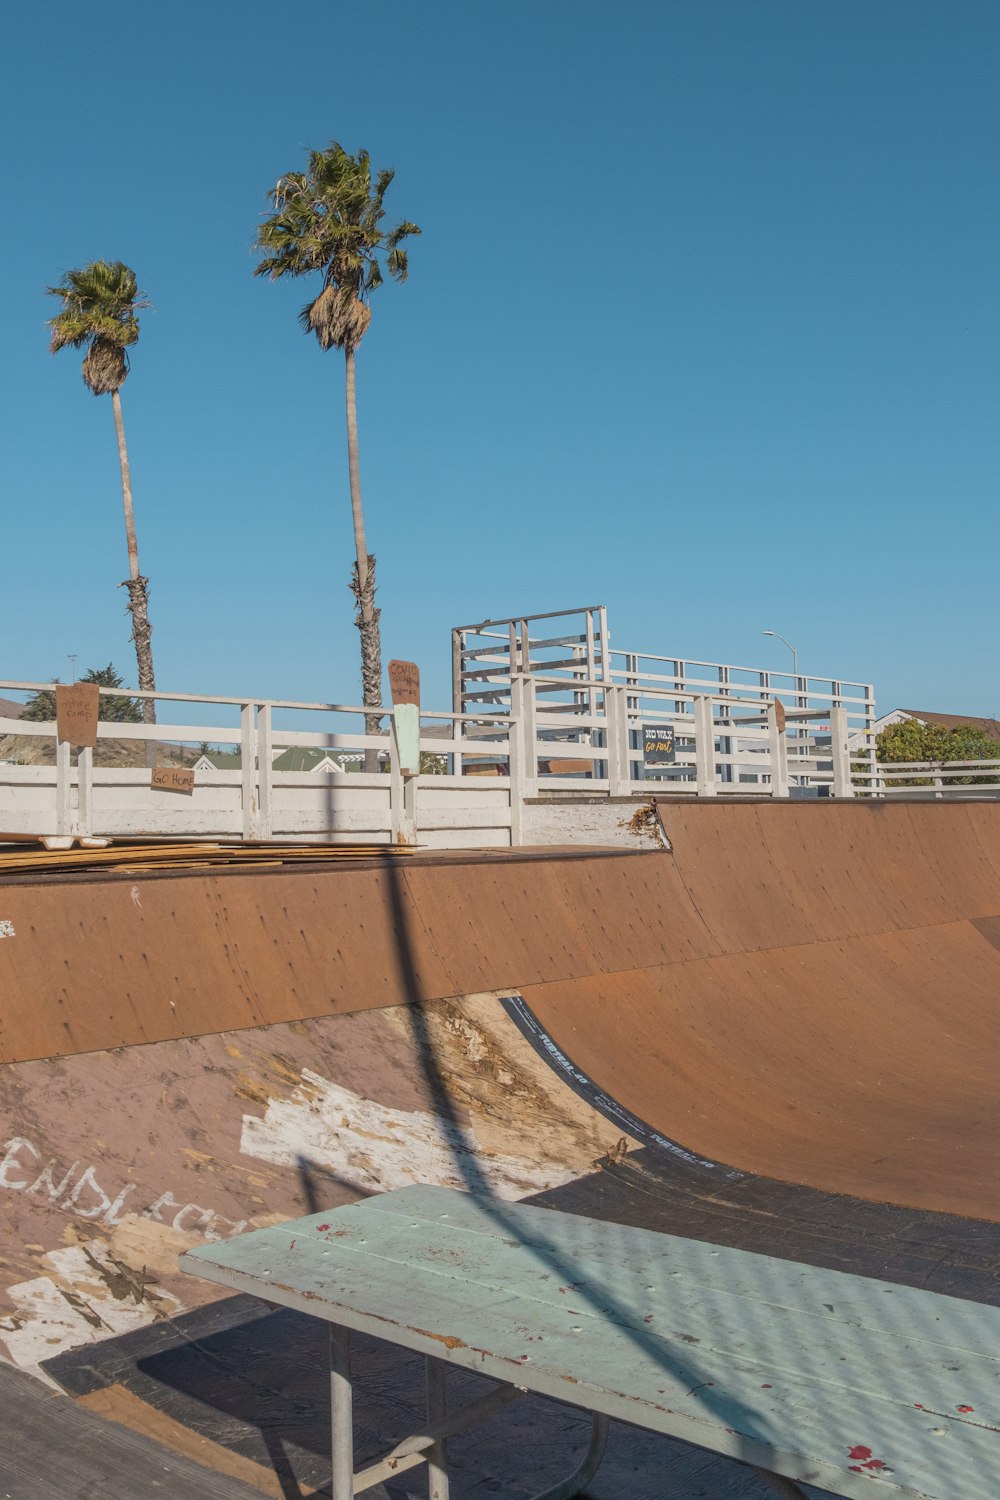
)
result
[(795, 654)]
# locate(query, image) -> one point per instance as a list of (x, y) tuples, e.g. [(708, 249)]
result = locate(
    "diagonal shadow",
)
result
[(603, 1298)]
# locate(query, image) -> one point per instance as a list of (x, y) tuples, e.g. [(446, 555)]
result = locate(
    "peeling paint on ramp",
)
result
[(373, 1148)]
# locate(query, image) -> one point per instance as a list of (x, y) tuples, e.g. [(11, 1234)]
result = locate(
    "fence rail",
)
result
[(937, 779)]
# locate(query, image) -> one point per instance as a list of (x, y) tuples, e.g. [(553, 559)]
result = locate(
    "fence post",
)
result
[(85, 790), (778, 748), (524, 704), (843, 786), (248, 757), (62, 786), (616, 713), (522, 752), (402, 794), (265, 779), (704, 747)]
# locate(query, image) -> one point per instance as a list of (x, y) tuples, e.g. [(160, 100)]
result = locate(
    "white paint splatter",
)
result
[(373, 1148), (135, 897), (74, 1306), (7, 929)]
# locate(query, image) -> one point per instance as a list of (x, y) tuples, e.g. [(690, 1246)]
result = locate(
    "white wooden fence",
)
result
[(499, 761), (968, 779)]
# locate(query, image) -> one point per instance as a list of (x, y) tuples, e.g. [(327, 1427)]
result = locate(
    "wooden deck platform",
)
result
[(53, 1449)]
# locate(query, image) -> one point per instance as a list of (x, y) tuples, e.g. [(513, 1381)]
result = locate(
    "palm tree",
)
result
[(328, 219), (99, 310)]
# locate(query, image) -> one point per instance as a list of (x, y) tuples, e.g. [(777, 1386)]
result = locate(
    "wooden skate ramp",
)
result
[(841, 1026)]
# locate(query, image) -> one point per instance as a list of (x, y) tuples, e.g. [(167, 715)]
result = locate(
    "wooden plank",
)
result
[(826, 1378)]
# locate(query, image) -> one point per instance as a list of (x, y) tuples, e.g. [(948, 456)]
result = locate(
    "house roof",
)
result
[(952, 721), (302, 758)]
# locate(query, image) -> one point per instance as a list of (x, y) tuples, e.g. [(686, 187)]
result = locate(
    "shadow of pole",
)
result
[(603, 1299)]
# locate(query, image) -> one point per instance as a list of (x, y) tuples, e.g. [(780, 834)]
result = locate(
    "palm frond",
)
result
[(99, 313), (327, 219), (398, 264)]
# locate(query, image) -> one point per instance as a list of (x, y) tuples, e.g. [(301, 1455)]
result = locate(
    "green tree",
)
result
[(328, 220), (909, 740), (117, 709), (99, 313)]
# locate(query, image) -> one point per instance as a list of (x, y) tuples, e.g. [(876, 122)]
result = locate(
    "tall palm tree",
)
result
[(328, 219), (99, 313)]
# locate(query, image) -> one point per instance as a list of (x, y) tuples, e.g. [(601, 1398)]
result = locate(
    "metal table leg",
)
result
[(341, 1415), (591, 1463), (437, 1409)]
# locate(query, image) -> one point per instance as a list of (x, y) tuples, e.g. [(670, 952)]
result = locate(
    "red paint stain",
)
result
[(859, 1452), (324, 1226), (965, 1408), (919, 1405)]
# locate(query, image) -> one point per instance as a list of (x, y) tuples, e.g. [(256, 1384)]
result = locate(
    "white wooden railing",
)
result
[(726, 745), (974, 779)]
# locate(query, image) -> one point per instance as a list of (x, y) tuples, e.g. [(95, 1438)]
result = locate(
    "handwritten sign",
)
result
[(173, 779), (76, 713), (658, 744), (404, 682), (779, 715)]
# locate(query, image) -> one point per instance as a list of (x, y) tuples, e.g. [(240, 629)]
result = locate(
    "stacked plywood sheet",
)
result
[(51, 854)]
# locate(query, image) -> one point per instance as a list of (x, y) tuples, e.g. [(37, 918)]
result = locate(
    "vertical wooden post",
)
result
[(62, 786), (704, 746), (265, 779), (778, 748), (457, 698), (616, 704), (85, 790), (843, 786), (522, 752), (248, 770), (402, 799)]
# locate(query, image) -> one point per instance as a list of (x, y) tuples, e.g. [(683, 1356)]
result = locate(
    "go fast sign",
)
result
[(658, 744)]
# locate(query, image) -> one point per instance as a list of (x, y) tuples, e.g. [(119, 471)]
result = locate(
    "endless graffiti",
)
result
[(23, 1170)]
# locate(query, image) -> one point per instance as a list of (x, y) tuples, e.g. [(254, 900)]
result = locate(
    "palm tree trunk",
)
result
[(138, 587), (363, 579)]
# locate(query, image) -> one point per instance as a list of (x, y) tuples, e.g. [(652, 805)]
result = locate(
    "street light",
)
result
[(795, 654)]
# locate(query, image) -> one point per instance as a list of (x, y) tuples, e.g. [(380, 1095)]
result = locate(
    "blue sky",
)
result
[(704, 325)]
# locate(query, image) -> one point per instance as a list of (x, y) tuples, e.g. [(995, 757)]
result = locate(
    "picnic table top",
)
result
[(847, 1383)]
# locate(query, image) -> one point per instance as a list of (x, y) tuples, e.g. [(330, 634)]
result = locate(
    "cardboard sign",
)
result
[(779, 715), (76, 713), (658, 744), (404, 682), (173, 779)]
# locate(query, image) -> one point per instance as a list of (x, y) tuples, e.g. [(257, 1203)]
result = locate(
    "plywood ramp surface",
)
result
[(845, 1032)]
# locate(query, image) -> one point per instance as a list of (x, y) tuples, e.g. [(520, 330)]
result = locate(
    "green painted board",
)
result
[(856, 1386)]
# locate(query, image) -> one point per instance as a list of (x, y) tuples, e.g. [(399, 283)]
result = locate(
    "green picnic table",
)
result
[(856, 1386)]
